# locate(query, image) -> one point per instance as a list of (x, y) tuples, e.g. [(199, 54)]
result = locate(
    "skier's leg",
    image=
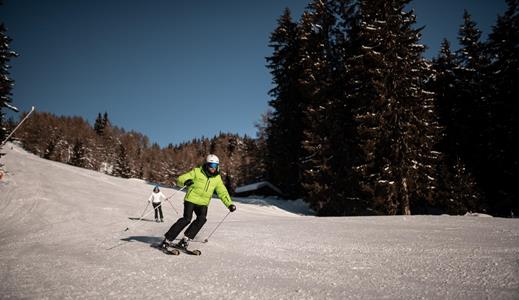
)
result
[(155, 208), (182, 222), (194, 228), (160, 213)]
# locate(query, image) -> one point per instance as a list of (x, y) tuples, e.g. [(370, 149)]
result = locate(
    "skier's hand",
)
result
[(232, 207), (188, 182)]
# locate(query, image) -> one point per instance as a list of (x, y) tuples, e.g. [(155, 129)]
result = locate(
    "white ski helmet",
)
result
[(211, 158)]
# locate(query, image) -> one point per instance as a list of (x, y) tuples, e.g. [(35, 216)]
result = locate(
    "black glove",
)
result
[(232, 207), (188, 182)]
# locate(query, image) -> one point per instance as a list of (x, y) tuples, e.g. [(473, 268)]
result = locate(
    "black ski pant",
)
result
[(194, 228), (158, 210)]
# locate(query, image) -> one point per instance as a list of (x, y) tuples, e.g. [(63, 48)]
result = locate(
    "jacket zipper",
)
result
[(207, 184)]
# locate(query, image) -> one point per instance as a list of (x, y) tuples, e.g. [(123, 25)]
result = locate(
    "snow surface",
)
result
[(57, 223)]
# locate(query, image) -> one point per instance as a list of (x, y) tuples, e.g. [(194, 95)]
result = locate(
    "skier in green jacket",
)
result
[(201, 183)]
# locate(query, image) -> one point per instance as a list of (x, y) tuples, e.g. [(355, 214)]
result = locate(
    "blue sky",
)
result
[(172, 70)]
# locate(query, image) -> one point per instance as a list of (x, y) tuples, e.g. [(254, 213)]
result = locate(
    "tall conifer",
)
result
[(503, 45), (396, 115), (285, 129), (6, 83)]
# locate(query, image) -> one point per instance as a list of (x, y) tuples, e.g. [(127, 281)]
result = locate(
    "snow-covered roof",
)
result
[(257, 186)]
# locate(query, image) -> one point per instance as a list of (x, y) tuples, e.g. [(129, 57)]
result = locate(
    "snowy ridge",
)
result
[(290, 207), (57, 222)]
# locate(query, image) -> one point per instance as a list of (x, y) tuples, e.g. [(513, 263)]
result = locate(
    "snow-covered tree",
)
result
[(447, 103), (285, 131), (78, 154), (456, 190), (122, 164), (470, 125), (6, 83), (396, 113), (474, 116), (327, 127), (503, 45)]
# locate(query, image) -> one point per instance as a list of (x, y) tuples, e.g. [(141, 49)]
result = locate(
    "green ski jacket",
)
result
[(203, 187)]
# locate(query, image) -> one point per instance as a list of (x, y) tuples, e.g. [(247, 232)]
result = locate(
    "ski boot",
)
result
[(184, 242), (167, 247), (165, 243)]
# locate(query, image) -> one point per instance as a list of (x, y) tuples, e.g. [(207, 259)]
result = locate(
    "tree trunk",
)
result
[(406, 209)]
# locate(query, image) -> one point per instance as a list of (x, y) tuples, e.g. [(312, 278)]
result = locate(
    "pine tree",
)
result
[(396, 114), (326, 115), (503, 98), (447, 103), (78, 154), (122, 165), (285, 131), (472, 101), (99, 125), (473, 114), (258, 151), (107, 148), (105, 122), (457, 190), (6, 83)]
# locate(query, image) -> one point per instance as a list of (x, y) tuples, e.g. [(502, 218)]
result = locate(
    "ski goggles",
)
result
[(212, 165)]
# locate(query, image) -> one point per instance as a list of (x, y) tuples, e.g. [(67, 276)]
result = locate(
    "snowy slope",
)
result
[(57, 222)]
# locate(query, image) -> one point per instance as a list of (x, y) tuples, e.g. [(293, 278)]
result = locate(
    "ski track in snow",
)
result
[(57, 222)]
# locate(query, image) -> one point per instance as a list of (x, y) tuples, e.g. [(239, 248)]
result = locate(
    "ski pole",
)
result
[(148, 204), (176, 211), (167, 199), (128, 228), (19, 124), (207, 239)]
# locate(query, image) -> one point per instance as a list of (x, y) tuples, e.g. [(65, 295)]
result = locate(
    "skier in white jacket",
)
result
[(156, 198)]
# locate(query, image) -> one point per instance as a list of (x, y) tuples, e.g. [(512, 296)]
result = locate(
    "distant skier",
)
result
[(156, 198), (201, 182)]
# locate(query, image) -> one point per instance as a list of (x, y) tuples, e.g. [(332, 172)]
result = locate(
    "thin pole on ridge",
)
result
[(19, 124)]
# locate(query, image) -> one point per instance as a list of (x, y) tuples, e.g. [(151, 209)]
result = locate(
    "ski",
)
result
[(174, 249), (170, 251), (166, 250), (140, 219), (195, 252)]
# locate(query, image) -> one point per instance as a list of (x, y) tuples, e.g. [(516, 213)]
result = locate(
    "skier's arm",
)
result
[(184, 177), (223, 194)]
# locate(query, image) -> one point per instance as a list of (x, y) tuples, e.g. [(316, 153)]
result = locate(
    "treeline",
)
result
[(111, 150), (363, 124)]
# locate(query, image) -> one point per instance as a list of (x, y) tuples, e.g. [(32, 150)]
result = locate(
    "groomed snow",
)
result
[(57, 222)]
